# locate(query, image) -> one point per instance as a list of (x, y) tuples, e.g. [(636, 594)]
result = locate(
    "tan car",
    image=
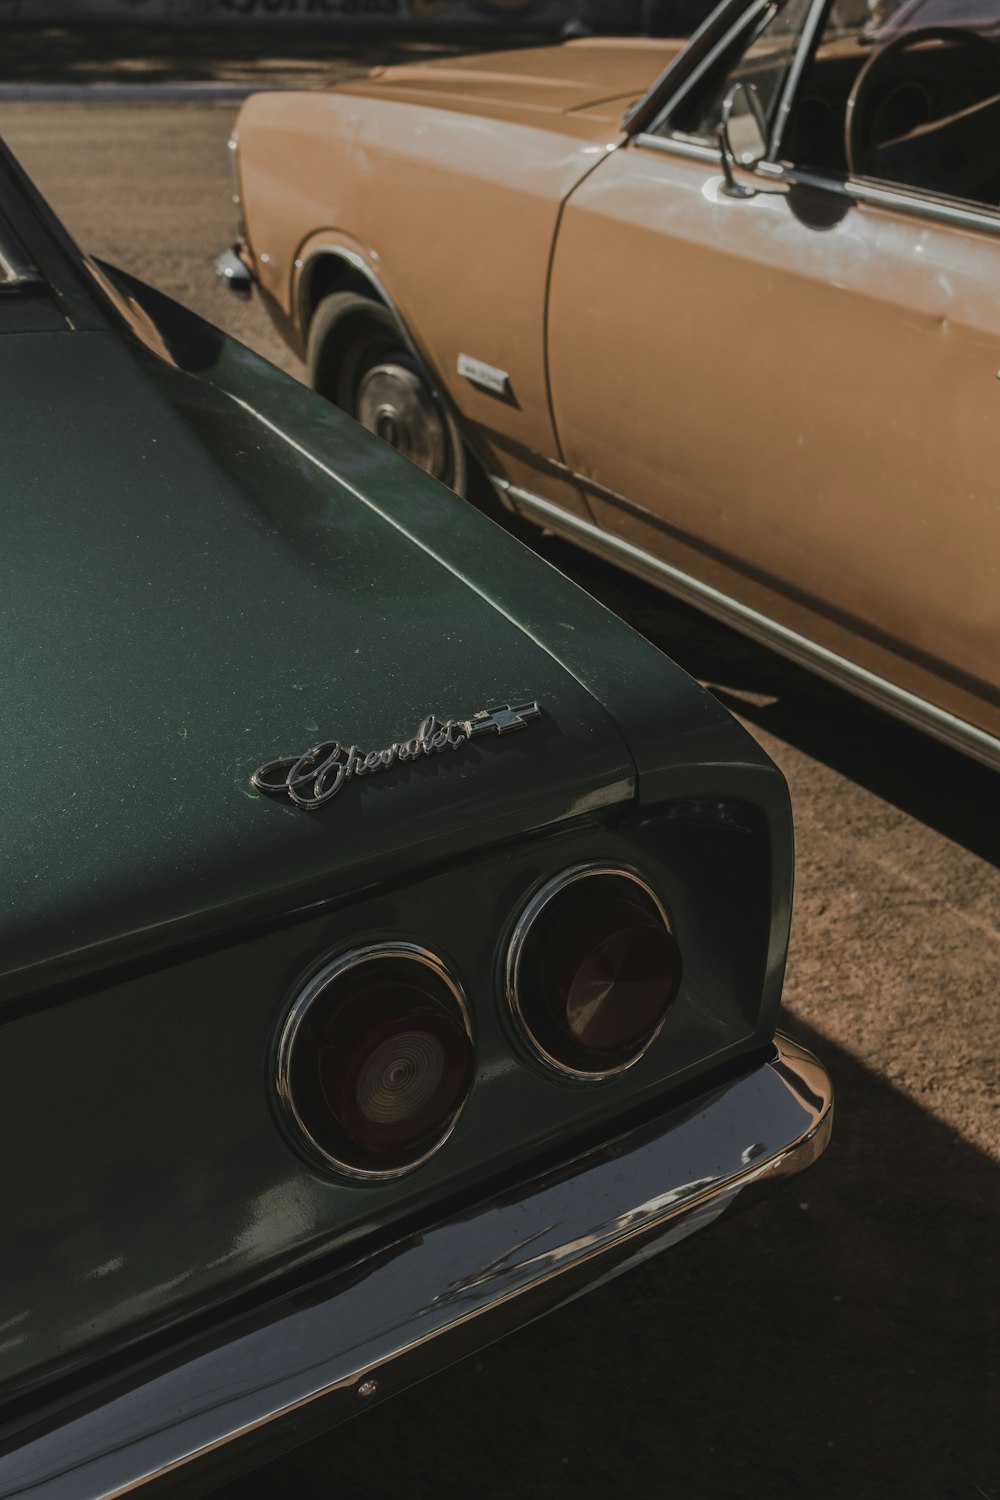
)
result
[(726, 313)]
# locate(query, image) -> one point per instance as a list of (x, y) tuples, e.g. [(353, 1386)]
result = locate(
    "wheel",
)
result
[(358, 358)]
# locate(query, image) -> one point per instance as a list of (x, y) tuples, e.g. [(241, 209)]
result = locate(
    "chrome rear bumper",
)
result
[(313, 1358)]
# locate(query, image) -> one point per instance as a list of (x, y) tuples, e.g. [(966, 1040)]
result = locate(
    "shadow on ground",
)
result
[(923, 778), (840, 1340)]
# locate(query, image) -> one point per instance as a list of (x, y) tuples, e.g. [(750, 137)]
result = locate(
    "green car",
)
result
[(393, 940)]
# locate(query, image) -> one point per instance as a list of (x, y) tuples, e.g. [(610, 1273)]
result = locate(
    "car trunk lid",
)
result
[(188, 594)]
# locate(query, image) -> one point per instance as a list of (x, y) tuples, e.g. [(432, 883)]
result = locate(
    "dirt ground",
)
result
[(843, 1339)]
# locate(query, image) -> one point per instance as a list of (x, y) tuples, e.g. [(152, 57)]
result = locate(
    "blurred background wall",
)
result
[(655, 17)]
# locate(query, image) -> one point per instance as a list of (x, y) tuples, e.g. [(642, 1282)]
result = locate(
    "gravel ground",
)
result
[(841, 1340)]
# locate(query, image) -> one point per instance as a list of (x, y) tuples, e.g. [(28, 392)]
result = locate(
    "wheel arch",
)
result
[(326, 266), (332, 267)]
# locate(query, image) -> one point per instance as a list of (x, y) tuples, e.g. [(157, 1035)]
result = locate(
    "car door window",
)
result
[(906, 92)]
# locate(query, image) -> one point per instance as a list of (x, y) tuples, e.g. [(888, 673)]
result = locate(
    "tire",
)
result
[(358, 358)]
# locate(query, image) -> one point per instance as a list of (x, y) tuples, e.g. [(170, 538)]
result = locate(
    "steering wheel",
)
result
[(864, 100)]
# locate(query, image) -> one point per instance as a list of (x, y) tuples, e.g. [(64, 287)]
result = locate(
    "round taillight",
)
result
[(592, 969), (375, 1060)]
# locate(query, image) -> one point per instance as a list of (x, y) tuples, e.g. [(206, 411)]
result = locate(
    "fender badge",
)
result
[(487, 377), (313, 778)]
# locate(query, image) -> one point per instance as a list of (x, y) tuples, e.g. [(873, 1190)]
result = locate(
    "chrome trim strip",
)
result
[(905, 202), (409, 1310), (321, 981), (529, 916), (692, 150), (913, 710)]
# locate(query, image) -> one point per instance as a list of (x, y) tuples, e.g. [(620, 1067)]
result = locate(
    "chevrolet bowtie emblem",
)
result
[(314, 777), (501, 720)]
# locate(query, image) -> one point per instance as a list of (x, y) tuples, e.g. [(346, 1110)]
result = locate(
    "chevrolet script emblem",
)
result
[(313, 778)]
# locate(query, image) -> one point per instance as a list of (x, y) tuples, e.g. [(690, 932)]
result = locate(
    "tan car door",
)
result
[(794, 400)]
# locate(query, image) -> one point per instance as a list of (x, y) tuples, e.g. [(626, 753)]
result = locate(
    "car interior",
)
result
[(891, 92)]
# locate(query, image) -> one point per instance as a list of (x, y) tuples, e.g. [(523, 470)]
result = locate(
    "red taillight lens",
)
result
[(376, 1060), (592, 971)]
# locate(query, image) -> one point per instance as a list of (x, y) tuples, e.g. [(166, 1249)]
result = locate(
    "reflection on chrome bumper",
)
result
[(233, 270), (433, 1297)]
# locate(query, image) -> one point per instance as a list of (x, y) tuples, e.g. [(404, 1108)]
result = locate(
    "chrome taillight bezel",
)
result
[(529, 916), (329, 974)]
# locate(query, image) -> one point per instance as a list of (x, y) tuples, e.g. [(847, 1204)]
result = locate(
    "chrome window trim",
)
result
[(856, 190), (328, 974), (883, 195), (807, 41), (918, 712), (515, 948), (744, 21), (903, 200), (15, 267), (690, 150), (685, 64)]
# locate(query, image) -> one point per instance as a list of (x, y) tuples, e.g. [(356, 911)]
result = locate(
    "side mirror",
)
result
[(742, 135)]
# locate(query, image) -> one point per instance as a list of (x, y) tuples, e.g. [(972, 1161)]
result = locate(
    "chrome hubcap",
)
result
[(395, 404)]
